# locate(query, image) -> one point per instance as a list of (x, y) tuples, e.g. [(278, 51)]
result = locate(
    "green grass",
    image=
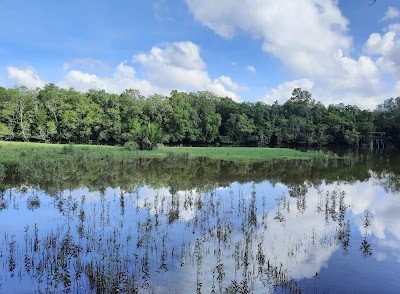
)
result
[(243, 153), (11, 151)]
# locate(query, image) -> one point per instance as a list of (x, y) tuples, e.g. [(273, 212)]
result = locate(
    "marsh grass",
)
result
[(246, 153), (12, 151)]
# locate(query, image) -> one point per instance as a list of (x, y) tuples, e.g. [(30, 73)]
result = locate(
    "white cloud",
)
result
[(124, 77), (314, 45), (219, 87), (394, 27), (184, 55), (227, 81), (305, 42), (377, 44), (25, 77), (388, 47), (391, 13), (251, 68), (179, 66), (176, 66), (284, 91), (361, 74)]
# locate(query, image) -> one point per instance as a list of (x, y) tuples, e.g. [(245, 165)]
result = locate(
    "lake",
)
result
[(202, 226)]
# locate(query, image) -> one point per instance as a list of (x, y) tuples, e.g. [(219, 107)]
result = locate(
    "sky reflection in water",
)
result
[(336, 237)]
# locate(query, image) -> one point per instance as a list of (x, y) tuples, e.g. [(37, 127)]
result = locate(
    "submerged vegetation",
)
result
[(54, 114), (117, 241)]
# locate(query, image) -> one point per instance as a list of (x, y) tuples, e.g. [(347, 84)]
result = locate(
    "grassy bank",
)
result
[(10, 151)]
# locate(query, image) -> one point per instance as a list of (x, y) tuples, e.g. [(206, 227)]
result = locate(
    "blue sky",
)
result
[(249, 50)]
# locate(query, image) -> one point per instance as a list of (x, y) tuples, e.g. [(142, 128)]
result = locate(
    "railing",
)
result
[(378, 139)]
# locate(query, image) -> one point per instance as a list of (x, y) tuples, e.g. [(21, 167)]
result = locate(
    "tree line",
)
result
[(55, 114)]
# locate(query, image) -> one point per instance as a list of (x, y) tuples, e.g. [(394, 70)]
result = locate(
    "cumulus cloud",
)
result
[(305, 42), (391, 13), (227, 81), (178, 65), (25, 77), (175, 65), (361, 74), (124, 77), (321, 93), (225, 87), (284, 91), (387, 46), (394, 27), (314, 44), (377, 44)]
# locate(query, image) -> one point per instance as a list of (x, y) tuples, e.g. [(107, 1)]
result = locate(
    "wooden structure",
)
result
[(378, 139)]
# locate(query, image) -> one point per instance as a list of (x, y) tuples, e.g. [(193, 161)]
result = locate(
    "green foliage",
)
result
[(146, 136), (5, 132), (389, 122), (352, 137), (240, 128), (46, 168), (53, 114), (131, 146)]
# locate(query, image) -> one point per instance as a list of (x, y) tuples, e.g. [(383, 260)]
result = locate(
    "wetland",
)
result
[(178, 224)]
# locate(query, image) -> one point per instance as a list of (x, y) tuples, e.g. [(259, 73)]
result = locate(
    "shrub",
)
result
[(131, 146)]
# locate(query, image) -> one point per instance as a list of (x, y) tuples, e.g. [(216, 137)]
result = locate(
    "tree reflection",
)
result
[(52, 176), (152, 219), (120, 243), (365, 246)]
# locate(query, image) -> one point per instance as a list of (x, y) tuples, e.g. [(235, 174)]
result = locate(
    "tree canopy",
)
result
[(54, 114)]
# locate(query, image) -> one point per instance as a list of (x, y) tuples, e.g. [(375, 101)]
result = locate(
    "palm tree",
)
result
[(147, 136), (155, 134)]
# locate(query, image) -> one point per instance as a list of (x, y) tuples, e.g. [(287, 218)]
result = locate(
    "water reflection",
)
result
[(53, 175), (286, 233)]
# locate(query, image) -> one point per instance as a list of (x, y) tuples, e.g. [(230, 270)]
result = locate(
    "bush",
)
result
[(131, 146)]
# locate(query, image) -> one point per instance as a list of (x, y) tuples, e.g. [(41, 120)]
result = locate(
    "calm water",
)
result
[(202, 226)]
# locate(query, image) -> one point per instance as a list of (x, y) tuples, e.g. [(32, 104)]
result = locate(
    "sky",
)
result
[(249, 50)]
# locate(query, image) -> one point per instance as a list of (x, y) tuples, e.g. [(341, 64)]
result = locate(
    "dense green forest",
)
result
[(54, 114)]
